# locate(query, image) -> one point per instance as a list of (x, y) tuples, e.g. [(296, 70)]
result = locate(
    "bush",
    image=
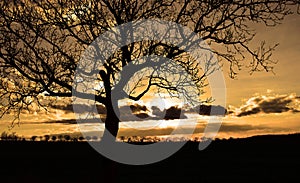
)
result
[(47, 137), (33, 138), (67, 137), (12, 136), (53, 138)]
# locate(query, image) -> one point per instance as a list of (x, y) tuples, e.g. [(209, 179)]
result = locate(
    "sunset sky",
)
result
[(286, 78), (275, 95)]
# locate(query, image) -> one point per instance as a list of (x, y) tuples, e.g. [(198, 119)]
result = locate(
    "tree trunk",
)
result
[(110, 134), (111, 123)]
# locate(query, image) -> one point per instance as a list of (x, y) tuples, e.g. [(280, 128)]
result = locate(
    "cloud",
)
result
[(136, 108), (173, 112), (268, 104), (81, 108), (209, 110), (133, 112)]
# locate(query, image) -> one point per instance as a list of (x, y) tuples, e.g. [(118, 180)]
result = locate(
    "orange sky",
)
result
[(285, 81), (286, 78)]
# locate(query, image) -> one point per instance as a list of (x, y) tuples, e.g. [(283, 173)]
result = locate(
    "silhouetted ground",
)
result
[(273, 158)]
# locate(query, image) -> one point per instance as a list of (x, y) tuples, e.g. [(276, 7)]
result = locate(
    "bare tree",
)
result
[(41, 43)]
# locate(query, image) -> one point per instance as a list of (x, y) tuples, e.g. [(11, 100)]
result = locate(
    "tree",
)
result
[(42, 41)]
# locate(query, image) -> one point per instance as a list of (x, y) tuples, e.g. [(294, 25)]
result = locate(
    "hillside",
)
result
[(271, 158)]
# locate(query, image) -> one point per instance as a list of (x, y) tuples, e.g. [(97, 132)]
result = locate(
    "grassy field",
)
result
[(270, 158)]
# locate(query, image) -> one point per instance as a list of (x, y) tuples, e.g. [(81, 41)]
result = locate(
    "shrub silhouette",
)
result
[(60, 137), (94, 138), (33, 138), (67, 137), (53, 138), (47, 137), (88, 138)]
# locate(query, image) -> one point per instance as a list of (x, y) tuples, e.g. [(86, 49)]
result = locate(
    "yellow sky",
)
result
[(287, 74)]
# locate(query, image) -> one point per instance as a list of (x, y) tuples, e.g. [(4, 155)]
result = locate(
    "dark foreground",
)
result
[(255, 159)]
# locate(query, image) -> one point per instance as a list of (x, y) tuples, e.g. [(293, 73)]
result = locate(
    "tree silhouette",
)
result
[(41, 43)]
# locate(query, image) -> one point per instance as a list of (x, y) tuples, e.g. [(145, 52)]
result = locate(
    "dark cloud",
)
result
[(136, 108), (249, 112), (276, 105), (209, 110), (254, 105), (174, 112), (269, 104), (156, 111), (138, 112), (134, 112), (81, 108)]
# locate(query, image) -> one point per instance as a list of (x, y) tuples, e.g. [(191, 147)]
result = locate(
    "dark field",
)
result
[(256, 159)]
